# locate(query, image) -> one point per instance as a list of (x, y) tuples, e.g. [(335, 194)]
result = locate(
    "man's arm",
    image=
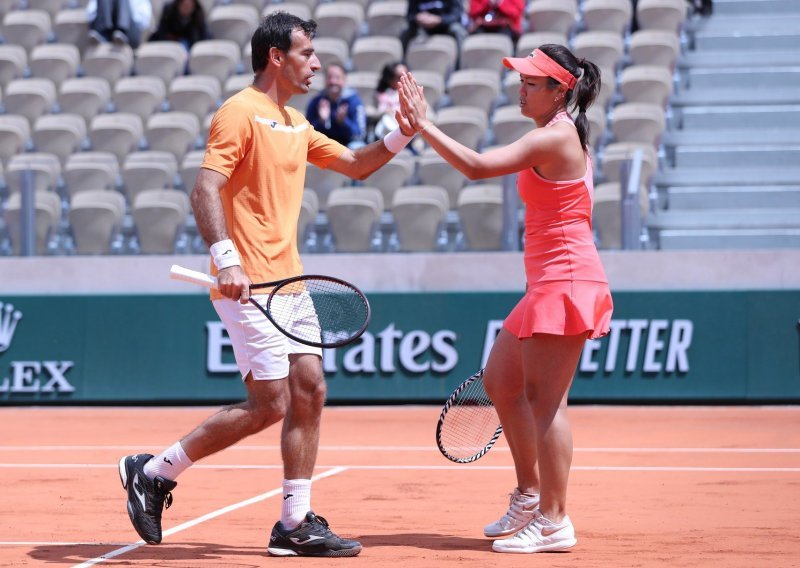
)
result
[(210, 218), (361, 163)]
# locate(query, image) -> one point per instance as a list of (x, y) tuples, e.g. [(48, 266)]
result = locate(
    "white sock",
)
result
[(169, 464), (296, 502)]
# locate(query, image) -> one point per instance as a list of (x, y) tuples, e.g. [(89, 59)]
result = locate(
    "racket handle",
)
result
[(193, 276)]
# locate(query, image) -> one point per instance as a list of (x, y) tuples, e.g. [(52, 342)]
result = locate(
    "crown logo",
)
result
[(9, 317)]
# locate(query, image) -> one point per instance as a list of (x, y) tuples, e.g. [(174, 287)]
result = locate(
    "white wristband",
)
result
[(396, 141), (224, 254)]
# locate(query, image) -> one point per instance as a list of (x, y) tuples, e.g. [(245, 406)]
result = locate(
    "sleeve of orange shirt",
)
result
[(323, 150), (229, 137)]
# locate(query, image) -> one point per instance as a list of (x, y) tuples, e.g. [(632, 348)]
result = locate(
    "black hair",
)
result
[(586, 89), (275, 30), (387, 76)]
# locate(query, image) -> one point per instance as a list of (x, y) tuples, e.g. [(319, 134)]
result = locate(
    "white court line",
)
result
[(411, 449), (202, 519), (53, 543), (455, 467)]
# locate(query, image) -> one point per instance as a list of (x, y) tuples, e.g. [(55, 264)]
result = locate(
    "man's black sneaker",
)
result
[(311, 538), (146, 497)]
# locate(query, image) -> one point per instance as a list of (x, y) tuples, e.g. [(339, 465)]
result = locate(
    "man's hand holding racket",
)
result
[(233, 283)]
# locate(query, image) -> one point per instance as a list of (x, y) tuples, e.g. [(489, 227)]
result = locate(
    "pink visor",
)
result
[(538, 64)]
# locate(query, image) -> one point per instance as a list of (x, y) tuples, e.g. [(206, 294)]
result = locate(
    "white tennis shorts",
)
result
[(259, 348)]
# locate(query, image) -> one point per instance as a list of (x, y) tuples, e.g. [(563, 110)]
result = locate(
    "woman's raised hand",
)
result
[(413, 105)]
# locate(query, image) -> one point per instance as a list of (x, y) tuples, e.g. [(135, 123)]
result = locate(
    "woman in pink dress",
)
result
[(567, 299)]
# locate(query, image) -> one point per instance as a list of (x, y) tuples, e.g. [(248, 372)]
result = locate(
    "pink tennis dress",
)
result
[(567, 291)]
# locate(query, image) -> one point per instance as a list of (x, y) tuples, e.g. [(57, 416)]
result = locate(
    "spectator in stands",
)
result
[(497, 16), (183, 21), (119, 21), (338, 111), (430, 17), (387, 99)]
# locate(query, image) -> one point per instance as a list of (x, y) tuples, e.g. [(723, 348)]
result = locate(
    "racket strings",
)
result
[(470, 425), (320, 310)]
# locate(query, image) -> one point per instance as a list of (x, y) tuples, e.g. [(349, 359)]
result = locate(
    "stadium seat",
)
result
[(118, 133), (60, 134), (387, 18), (597, 124), (95, 218), (485, 51), (364, 82), (463, 123), (476, 88), (109, 61), (216, 57), (247, 58), (84, 171), (551, 15), (13, 62), (55, 61), (163, 59), (308, 213), (332, 50), (480, 211), (353, 215), (339, 19), (86, 96), (638, 122), (392, 176), (419, 211), (654, 47), (27, 28), (235, 22), (198, 94), (604, 49), (531, 40), (646, 84), (15, 131), (150, 169), (30, 98), (47, 214), (616, 153), (302, 10), (70, 26), (371, 53), (141, 95), (159, 215), (434, 53), (607, 15), (236, 83), (46, 170), (50, 6), (434, 170), (607, 213), (323, 182), (190, 167), (666, 15), (509, 125), (174, 132), (432, 84)]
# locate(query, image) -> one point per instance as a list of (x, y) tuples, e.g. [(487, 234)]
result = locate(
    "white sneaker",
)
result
[(520, 512), (540, 535)]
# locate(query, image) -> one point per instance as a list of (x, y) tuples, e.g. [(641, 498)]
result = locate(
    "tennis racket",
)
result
[(468, 426), (320, 311)]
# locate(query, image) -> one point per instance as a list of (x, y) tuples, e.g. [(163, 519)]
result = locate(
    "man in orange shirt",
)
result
[(247, 202)]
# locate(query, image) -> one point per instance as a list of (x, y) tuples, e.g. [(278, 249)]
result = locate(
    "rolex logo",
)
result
[(9, 317)]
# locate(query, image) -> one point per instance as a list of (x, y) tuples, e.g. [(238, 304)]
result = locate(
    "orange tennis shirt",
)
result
[(262, 149)]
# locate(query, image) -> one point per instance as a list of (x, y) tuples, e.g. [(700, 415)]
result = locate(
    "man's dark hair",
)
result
[(275, 30)]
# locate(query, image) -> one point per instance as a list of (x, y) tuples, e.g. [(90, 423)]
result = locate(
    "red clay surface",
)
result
[(650, 486)]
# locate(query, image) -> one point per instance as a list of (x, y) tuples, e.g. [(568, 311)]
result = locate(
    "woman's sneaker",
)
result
[(520, 512), (146, 497), (540, 535), (311, 538)]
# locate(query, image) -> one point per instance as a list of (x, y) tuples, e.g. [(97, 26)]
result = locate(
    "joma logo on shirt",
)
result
[(280, 127)]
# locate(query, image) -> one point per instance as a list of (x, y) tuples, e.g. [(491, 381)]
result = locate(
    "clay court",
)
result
[(650, 486)]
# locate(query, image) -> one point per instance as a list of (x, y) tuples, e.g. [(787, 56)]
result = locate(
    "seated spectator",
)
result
[(387, 99), (183, 21), (497, 16), (338, 111), (430, 17), (120, 21)]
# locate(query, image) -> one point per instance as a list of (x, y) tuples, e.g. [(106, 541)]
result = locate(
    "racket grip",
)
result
[(193, 276)]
